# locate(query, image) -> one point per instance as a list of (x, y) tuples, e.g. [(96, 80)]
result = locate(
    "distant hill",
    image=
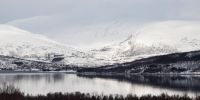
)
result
[(176, 63)]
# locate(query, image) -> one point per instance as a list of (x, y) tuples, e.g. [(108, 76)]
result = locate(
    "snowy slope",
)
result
[(154, 39), (182, 35), (130, 50), (20, 43), (17, 42)]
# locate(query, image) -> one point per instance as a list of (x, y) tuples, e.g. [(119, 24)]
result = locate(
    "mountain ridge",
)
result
[(175, 63), (20, 43), (23, 44)]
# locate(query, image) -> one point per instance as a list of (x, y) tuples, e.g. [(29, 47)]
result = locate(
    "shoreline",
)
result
[(107, 74)]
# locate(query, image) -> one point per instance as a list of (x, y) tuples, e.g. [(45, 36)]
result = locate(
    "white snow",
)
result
[(182, 35), (152, 39), (20, 43)]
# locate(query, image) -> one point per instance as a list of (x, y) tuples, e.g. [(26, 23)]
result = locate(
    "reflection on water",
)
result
[(43, 83), (173, 82)]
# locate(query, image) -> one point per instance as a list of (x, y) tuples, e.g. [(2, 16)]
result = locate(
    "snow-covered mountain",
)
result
[(130, 50), (150, 40), (20, 43), (175, 63), (17, 42), (154, 39), (182, 35)]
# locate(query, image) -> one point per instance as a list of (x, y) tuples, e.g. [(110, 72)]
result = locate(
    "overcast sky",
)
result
[(93, 22)]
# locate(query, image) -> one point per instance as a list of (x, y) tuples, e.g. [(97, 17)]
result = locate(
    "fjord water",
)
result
[(43, 83)]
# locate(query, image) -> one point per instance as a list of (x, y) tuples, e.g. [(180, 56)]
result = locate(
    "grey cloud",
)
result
[(84, 19), (100, 9)]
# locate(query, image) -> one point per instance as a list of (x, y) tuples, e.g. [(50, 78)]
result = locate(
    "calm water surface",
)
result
[(43, 83)]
